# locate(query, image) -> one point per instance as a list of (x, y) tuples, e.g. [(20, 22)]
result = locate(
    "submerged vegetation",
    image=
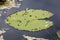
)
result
[(31, 20)]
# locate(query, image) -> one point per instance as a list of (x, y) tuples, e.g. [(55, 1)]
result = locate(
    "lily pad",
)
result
[(31, 20), (58, 33)]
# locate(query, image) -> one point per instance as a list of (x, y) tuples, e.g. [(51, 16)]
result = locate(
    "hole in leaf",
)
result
[(18, 25), (7, 19), (19, 21), (30, 15), (35, 16)]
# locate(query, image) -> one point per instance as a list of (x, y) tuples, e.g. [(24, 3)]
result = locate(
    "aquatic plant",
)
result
[(3, 2), (7, 4), (58, 33), (31, 20)]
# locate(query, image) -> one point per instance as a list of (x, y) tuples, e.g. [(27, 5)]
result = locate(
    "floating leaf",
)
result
[(28, 20), (58, 33)]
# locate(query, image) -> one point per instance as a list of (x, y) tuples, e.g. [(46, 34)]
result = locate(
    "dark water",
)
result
[(49, 5)]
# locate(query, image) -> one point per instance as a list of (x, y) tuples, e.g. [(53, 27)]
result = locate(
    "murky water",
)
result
[(49, 5)]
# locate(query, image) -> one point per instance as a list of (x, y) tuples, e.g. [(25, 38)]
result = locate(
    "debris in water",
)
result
[(32, 38)]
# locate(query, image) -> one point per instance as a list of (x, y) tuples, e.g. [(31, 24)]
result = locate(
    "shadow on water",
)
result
[(50, 33)]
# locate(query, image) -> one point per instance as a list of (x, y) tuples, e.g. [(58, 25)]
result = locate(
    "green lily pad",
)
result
[(30, 20), (58, 33)]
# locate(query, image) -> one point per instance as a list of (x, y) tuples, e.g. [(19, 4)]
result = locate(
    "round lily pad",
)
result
[(30, 20)]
